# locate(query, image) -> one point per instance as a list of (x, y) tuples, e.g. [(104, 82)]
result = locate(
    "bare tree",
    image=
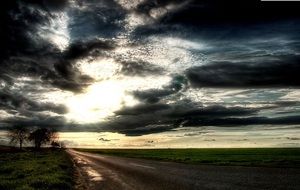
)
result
[(18, 135), (55, 144), (42, 136)]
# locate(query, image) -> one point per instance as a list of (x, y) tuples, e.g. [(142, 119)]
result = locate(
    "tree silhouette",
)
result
[(55, 144), (42, 136), (18, 135)]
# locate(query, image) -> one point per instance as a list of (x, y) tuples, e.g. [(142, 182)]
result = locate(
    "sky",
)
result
[(152, 73)]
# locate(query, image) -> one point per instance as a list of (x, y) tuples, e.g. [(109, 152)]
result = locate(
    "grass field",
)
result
[(48, 169), (267, 157)]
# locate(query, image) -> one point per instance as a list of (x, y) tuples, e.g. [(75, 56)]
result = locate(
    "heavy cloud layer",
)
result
[(181, 63)]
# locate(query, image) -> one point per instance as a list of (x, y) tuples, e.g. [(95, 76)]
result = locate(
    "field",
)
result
[(27, 170), (267, 157)]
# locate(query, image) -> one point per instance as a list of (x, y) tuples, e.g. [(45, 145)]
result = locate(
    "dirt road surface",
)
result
[(102, 172)]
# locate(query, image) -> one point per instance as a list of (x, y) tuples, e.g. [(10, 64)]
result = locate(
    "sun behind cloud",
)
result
[(99, 102)]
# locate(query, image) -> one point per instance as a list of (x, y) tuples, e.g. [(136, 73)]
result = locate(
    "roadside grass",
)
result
[(266, 157), (29, 170)]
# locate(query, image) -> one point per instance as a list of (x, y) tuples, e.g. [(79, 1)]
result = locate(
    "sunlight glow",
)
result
[(109, 93), (102, 99), (99, 102)]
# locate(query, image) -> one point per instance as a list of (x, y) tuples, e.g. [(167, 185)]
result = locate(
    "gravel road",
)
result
[(96, 171)]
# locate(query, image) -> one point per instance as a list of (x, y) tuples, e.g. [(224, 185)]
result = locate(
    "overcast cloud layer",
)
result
[(140, 67)]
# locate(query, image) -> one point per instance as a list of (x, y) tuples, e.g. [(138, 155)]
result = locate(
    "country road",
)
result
[(115, 173)]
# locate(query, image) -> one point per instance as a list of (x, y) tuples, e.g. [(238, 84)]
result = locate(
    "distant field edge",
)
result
[(254, 157)]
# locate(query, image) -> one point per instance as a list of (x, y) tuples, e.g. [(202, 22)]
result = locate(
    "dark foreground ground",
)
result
[(96, 171), (35, 170)]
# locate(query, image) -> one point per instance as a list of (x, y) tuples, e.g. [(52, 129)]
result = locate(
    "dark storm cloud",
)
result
[(58, 71), (51, 70), (142, 109), (81, 49), (67, 76), (149, 129), (154, 95), (277, 73), (211, 12), (19, 21), (287, 103), (25, 53), (213, 111), (54, 4), (30, 113), (70, 85), (6, 81), (139, 68), (36, 120), (96, 18), (18, 103), (288, 120), (219, 19), (154, 118)]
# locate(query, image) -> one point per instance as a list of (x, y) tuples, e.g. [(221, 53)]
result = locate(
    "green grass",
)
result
[(267, 157), (48, 169)]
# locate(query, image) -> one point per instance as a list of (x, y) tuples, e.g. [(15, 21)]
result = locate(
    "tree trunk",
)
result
[(21, 142), (37, 145)]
